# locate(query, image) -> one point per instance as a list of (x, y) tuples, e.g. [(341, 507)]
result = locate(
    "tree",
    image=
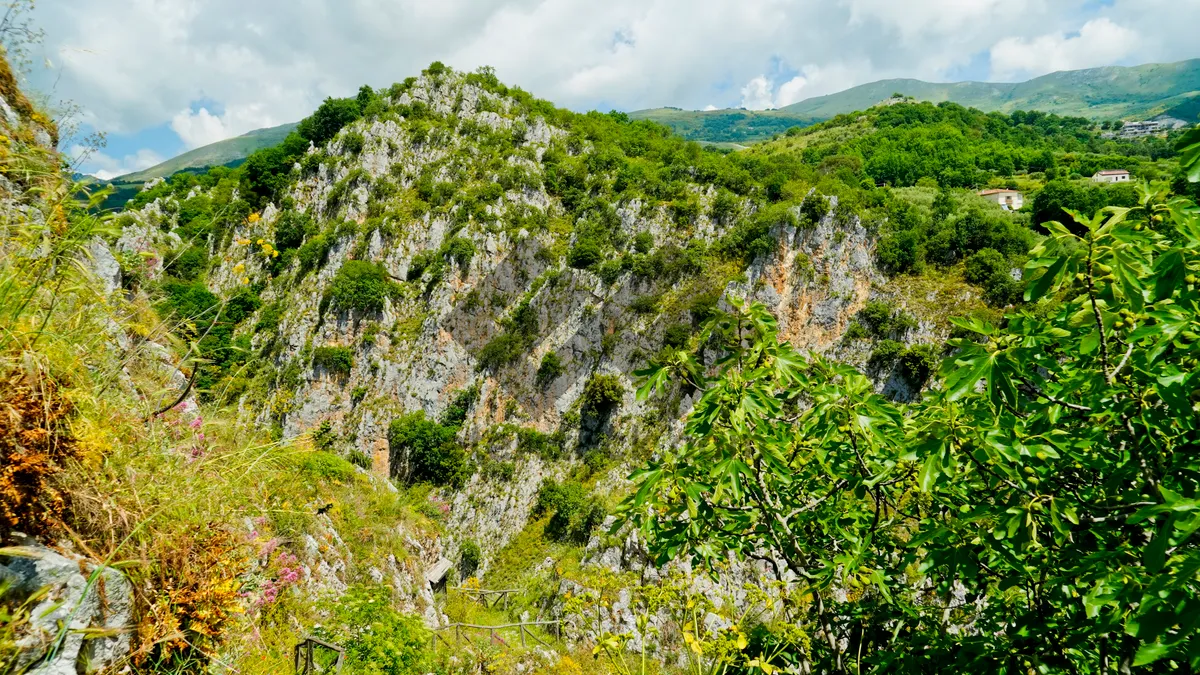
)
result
[(1034, 511)]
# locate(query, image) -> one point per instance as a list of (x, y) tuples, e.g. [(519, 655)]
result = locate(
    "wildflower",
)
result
[(196, 423), (254, 217), (239, 268), (245, 280), (274, 254), (260, 242), (242, 241)]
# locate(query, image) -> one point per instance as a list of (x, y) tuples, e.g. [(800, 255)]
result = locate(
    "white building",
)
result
[(1111, 176), (1009, 199), (1152, 127)]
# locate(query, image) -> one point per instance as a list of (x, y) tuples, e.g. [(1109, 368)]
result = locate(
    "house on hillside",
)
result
[(1111, 176), (1009, 199), (1154, 127)]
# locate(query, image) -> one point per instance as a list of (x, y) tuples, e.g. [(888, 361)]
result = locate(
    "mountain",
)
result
[(1113, 92), (448, 340), (227, 152), (1109, 93)]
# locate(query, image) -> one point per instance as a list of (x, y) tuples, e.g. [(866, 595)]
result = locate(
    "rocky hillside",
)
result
[(502, 268)]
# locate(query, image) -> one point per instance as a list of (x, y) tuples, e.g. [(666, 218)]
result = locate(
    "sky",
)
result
[(159, 77)]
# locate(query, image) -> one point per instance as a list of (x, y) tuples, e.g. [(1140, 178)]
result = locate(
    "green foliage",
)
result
[(520, 333), (328, 466), (677, 335), (549, 370), (917, 363), (602, 395), (574, 515), (469, 559), (360, 286), (1045, 478), (501, 351), (1052, 201), (428, 451), (547, 446), (882, 320), (189, 264), (334, 360), (886, 354), (456, 413), (314, 253), (378, 638)]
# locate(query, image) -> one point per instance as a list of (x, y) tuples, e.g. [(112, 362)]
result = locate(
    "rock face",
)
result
[(81, 618), (423, 347)]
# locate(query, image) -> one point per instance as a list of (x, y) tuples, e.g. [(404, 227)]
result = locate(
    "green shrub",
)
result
[(456, 413), (378, 639), (917, 364), (885, 355), (328, 466), (360, 286), (469, 559), (882, 320), (357, 395), (460, 250), (645, 304), (984, 264), (1001, 290), (855, 331), (547, 446), (602, 395), (574, 515), (704, 307), (501, 351), (429, 450), (314, 253), (584, 254), (676, 336), (353, 142), (268, 320), (609, 271), (189, 264), (550, 369), (643, 242), (334, 360), (324, 437)]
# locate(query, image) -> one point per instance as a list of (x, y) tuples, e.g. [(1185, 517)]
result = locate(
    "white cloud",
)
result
[(757, 94), (1099, 42), (710, 107), (104, 166), (136, 64), (200, 127)]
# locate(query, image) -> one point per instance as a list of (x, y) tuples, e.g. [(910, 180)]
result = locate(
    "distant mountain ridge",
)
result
[(1112, 92), (228, 151)]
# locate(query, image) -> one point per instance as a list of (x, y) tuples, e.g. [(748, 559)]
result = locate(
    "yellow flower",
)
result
[(260, 242), (245, 280), (274, 254), (239, 268), (254, 217), (243, 242)]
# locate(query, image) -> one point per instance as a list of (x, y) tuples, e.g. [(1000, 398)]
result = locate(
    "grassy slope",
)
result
[(216, 154)]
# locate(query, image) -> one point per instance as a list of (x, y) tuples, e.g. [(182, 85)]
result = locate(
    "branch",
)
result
[(1121, 365), (1039, 392)]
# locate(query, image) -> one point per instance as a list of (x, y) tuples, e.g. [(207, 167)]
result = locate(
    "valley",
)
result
[(444, 361)]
